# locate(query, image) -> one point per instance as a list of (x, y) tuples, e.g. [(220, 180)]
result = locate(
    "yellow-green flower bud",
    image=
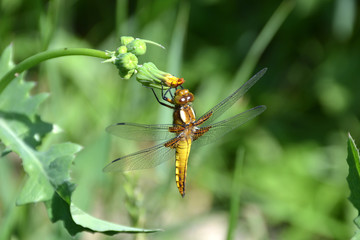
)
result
[(126, 61), (149, 75), (137, 47), (126, 74), (121, 50), (125, 40)]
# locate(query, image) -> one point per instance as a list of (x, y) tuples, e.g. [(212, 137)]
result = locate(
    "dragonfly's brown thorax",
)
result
[(183, 112)]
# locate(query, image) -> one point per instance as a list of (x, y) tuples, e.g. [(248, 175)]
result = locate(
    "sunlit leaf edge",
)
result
[(88, 221)]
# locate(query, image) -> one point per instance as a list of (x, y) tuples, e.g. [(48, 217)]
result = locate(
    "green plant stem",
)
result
[(263, 40), (178, 38), (9, 220), (235, 195), (40, 57)]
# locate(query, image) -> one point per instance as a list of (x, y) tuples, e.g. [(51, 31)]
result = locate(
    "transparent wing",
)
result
[(147, 158), (219, 129), (141, 132), (230, 100)]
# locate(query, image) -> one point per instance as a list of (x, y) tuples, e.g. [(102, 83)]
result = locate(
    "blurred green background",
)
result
[(290, 161)]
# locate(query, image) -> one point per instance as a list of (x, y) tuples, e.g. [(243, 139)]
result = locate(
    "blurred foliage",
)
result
[(293, 172)]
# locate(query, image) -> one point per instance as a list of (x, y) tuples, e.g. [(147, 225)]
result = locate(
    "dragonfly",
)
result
[(185, 132)]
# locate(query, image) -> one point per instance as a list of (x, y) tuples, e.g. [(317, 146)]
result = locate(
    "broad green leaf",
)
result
[(21, 130), (18, 107), (48, 178), (59, 210), (16, 97), (75, 220), (95, 224), (46, 171)]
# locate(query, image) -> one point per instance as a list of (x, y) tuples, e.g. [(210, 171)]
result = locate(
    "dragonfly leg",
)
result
[(157, 99), (163, 95)]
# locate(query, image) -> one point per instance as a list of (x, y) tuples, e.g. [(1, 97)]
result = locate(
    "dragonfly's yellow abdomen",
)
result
[(181, 160)]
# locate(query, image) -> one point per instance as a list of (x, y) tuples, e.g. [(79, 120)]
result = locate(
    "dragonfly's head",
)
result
[(183, 96)]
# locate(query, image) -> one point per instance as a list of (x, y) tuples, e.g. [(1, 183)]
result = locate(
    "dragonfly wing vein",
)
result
[(142, 132), (230, 100), (147, 158), (219, 129)]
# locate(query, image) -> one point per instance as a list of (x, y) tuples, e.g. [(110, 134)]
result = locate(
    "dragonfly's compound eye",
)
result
[(190, 97)]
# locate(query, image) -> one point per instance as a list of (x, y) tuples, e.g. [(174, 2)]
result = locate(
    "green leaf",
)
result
[(46, 170), (21, 130), (16, 97), (5, 61), (357, 234), (87, 221), (48, 178), (18, 108), (58, 210), (353, 178), (75, 220)]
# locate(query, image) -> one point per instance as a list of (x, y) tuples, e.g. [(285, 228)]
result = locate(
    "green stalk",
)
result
[(263, 40), (175, 55), (235, 195), (40, 57)]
